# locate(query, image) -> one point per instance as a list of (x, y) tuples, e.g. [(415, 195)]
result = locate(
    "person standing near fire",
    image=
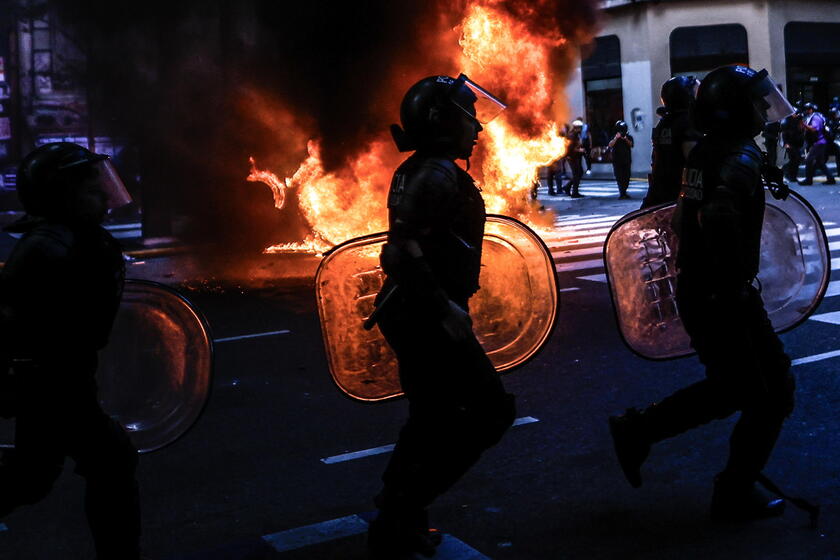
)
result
[(576, 149), (622, 146), (59, 293), (458, 406)]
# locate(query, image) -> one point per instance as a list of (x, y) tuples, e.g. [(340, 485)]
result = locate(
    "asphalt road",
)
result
[(261, 475)]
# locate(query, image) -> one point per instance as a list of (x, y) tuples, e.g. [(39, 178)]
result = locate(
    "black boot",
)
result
[(632, 444), (739, 499)]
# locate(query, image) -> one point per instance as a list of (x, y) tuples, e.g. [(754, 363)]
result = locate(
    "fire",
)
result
[(278, 187), (499, 51)]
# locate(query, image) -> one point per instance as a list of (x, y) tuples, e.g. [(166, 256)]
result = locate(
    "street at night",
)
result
[(266, 468), (461, 280)]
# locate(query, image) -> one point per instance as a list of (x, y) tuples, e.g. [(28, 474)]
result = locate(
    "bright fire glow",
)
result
[(500, 53)]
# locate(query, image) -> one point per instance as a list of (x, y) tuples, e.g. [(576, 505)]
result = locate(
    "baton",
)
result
[(371, 321)]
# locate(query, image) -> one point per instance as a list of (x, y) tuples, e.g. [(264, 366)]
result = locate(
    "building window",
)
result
[(812, 57), (699, 50), (601, 73)]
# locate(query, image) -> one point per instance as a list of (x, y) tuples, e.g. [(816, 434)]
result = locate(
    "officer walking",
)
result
[(818, 145), (793, 138), (457, 404), (61, 288), (673, 138), (719, 221), (621, 146)]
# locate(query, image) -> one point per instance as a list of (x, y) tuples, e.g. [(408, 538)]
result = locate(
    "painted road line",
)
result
[(594, 278), (589, 232), (832, 318), (344, 457), (833, 289), (585, 221), (568, 290), (815, 358), (574, 217), (579, 265), (452, 549), (525, 420), (317, 533), (246, 336), (832, 232), (563, 252), (586, 240)]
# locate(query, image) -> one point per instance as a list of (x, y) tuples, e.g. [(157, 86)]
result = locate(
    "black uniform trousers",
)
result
[(621, 170), (58, 417), (817, 159), (791, 168), (747, 370), (458, 407), (576, 166)]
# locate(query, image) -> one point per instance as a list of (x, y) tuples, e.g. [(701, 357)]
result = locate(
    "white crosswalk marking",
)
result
[(576, 237)]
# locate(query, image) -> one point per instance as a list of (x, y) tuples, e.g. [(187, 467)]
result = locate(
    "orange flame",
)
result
[(499, 52), (278, 187)]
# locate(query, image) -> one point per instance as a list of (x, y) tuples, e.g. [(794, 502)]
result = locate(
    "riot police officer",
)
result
[(673, 138), (719, 221), (622, 146), (793, 139), (457, 404), (61, 288)]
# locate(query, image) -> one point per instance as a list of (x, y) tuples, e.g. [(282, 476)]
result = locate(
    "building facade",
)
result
[(643, 43)]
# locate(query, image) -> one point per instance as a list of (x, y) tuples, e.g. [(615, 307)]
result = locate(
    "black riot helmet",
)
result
[(621, 127), (679, 92), (48, 175), (431, 106), (738, 101)]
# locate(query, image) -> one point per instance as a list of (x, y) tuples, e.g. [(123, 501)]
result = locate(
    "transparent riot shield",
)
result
[(640, 261), (154, 376), (513, 313)]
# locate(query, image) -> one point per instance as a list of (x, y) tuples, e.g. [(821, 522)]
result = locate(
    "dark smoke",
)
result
[(177, 82)]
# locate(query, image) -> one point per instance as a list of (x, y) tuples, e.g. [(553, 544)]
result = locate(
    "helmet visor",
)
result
[(111, 184), (482, 105), (774, 105)]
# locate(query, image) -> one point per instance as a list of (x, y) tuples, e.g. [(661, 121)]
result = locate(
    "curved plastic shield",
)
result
[(640, 261), (154, 375), (513, 313)]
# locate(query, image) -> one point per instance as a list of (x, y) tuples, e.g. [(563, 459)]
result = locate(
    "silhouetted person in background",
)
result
[(793, 139), (59, 293), (622, 146), (673, 138), (718, 220), (818, 145), (576, 149), (457, 404)]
